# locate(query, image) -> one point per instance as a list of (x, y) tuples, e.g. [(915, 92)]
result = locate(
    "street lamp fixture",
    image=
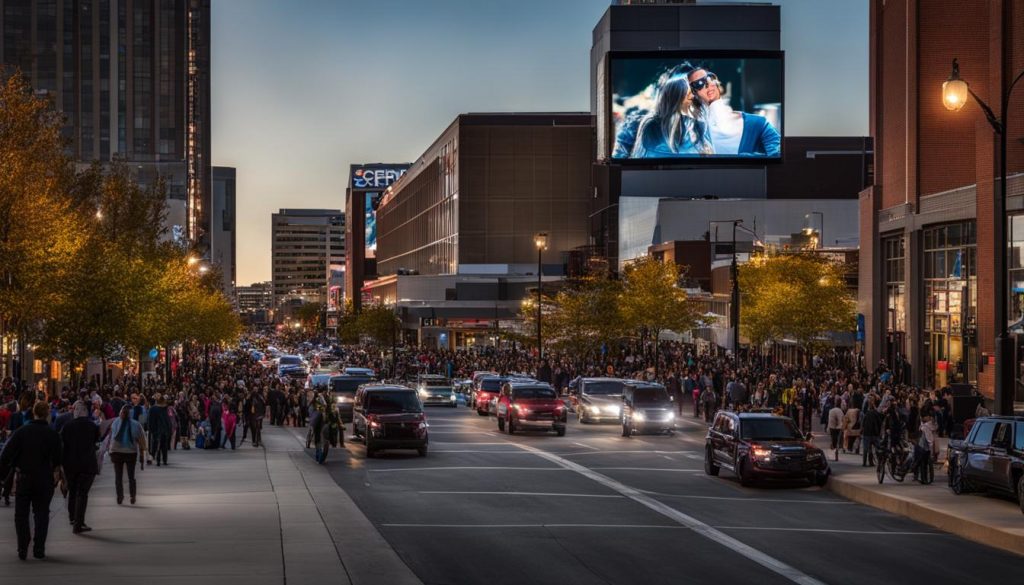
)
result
[(192, 260), (204, 269), (540, 239), (954, 97), (99, 214)]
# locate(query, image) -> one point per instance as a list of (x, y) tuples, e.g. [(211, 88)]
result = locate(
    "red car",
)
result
[(530, 405), (487, 389)]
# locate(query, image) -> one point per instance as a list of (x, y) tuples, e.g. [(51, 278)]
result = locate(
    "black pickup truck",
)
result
[(990, 458)]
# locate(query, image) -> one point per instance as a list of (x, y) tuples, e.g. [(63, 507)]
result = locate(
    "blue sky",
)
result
[(303, 88)]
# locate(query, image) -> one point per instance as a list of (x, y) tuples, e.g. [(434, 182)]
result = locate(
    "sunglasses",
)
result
[(703, 82)]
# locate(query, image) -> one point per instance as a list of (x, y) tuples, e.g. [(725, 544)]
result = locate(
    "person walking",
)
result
[(835, 426), (255, 412), (160, 431), (127, 441), (34, 453), (79, 438), (216, 414), (871, 430)]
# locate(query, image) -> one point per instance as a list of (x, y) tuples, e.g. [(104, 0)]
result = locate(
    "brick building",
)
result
[(928, 250)]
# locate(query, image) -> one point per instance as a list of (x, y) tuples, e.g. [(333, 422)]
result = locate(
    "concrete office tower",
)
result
[(222, 226), (308, 253), (133, 79)]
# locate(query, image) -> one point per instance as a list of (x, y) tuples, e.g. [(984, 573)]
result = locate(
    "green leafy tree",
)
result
[(803, 296), (379, 323), (309, 315), (652, 300), (39, 225)]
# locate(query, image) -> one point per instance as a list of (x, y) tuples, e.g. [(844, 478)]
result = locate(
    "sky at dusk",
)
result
[(304, 88)]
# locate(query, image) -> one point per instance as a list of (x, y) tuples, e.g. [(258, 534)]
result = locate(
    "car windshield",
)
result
[(602, 388), (768, 429), (436, 382), (290, 360), (392, 401), (346, 385), (533, 393), (491, 385), (650, 396), (320, 380)]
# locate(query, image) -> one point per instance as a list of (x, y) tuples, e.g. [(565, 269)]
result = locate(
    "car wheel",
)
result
[(560, 431), (422, 451), (821, 478), (501, 424), (481, 412), (957, 481), (1020, 492), (511, 424), (625, 430), (371, 452), (743, 473), (710, 467)]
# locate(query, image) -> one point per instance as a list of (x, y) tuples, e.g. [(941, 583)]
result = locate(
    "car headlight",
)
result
[(639, 417), (762, 453), (423, 393), (613, 410), (595, 410)]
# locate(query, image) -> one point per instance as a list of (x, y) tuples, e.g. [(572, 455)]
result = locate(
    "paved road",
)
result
[(593, 507)]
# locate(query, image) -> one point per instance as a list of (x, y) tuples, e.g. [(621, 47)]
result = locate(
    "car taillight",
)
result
[(372, 422)]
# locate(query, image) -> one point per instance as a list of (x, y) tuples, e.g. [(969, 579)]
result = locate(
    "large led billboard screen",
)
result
[(672, 106), (373, 180)]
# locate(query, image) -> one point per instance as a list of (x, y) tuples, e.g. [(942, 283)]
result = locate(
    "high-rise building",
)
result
[(132, 78), (932, 231), (307, 254), (222, 226), (258, 296)]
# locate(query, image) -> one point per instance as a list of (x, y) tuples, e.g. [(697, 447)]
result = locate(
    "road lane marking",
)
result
[(830, 530), (545, 494), (669, 469), (393, 469), (614, 526), (477, 451), (465, 443), (575, 453), (734, 499), (700, 528), (587, 446), (461, 433)]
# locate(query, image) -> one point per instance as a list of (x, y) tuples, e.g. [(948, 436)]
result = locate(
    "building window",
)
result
[(1015, 237), (894, 257), (951, 301)]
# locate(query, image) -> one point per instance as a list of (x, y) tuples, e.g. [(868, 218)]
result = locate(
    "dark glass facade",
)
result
[(133, 79)]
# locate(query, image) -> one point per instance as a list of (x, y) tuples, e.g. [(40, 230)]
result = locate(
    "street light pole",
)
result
[(735, 304), (541, 241), (954, 97)]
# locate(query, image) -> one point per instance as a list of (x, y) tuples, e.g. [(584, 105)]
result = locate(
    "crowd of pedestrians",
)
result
[(62, 440)]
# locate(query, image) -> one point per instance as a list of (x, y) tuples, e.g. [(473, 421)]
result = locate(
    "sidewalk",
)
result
[(249, 517), (990, 520)]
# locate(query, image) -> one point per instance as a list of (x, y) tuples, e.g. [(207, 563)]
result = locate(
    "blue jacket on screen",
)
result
[(759, 137)]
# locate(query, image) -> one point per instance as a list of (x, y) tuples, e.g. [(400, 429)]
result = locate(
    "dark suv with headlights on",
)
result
[(761, 446), (530, 405), (990, 458), (389, 417), (343, 389), (646, 408), (486, 390)]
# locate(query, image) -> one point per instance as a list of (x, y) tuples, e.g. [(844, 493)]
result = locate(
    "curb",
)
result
[(937, 518)]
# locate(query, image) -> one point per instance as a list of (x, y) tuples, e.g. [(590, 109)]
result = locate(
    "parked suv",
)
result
[(530, 404), (990, 458), (760, 446), (389, 417), (344, 388), (646, 408)]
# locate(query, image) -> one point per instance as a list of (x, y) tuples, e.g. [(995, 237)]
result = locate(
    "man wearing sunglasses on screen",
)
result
[(731, 132)]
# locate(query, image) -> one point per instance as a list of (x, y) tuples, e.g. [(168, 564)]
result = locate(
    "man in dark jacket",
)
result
[(255, 411), (160, 431), (34, 452), (870, 431), (215, 415), (79, 438)]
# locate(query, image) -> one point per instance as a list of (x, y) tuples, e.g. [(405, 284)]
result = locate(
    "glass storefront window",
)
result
[(951, 303), (894, 250)]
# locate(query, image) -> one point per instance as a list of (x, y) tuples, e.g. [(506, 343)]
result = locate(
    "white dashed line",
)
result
[(544, 494)]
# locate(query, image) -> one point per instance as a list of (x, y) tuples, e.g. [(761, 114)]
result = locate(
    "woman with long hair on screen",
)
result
[(674, 128)]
